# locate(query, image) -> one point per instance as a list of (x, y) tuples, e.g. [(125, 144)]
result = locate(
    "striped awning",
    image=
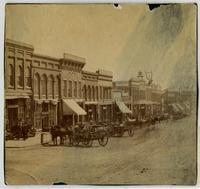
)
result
[(71, 107), (123, 108), (175, 108), (181, 108)]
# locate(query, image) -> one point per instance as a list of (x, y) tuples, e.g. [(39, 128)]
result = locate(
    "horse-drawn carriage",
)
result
[(83, 134), (118, 129)]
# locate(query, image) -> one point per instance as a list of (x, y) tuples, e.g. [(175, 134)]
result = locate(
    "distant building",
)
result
[(141, 98)]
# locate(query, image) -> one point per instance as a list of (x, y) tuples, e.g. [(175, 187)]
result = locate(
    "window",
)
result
[(79, 91), (89, 93), (28, 77), (50, 86), (97, 93), (44, 107), (84, 92), (11, 75), (57, 86), (75, 89), (37, 85), (20, 76), (70, 89), (44, 85), (65, 88), (93, 93)]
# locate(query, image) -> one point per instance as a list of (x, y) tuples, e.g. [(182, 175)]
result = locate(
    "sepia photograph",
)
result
[(100, 94)]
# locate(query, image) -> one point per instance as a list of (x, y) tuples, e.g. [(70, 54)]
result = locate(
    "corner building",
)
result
[(45, 91)]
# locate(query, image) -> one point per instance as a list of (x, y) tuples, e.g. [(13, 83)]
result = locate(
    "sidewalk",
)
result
[(31, 141)]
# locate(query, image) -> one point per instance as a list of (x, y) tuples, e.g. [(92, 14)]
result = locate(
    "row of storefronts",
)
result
[(44, 91)]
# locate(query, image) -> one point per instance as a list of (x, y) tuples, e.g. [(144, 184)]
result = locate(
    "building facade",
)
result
[(142, 98), (18, 85), (46, 91)]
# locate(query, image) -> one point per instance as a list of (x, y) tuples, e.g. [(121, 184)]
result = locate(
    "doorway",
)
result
[(12, 117)]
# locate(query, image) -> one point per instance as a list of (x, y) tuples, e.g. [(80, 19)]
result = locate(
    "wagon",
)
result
[(89, 133), (118, 129)]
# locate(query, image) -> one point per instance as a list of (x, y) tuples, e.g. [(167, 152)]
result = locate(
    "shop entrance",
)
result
[(45, 124), (12, 117)]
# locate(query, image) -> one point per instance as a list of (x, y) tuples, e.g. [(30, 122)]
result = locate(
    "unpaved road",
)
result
[(166, 155)]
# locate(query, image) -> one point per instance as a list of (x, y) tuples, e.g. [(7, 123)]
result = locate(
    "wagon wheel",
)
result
[(76, 141), (87, 141), (130, 131), (103, 141), (120, 133)]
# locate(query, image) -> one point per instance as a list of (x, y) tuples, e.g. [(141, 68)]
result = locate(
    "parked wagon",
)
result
[(119, 128), (88, 133)]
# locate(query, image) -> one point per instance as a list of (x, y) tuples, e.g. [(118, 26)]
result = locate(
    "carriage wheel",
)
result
[(88, 141), (130, 131), (120, 133), (75, 141), (103, 141)]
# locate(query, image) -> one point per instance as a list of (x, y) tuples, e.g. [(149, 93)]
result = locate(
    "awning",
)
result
[(180, 107), (16, 97), (186, 105), (123, 108), (175, 108), (71, 107)]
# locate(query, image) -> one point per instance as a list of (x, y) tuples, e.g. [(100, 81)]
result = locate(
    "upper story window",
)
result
[(28, 77), (44, 85), (45, 107), (97, 93), (85, 92), (89, 93), (50, 86), (93, 93), (57, 86), (20, 76), (11, 75), (70, 89), (75, 89), (65, 88), (37, 85), (79, 90)]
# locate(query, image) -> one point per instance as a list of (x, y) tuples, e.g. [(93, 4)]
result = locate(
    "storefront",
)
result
[(45, 114), (17, 109), (72, 112)]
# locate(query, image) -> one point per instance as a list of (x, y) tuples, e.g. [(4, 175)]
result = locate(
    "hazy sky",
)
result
[(120, 40)]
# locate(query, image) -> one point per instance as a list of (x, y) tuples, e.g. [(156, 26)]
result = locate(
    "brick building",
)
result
[(141, 98), (18, 85), (46, 91)]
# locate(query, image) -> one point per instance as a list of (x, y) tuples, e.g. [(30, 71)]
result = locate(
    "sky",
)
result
[(123, 41)]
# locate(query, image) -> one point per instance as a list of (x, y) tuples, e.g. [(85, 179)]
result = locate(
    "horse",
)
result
[(58, 131)]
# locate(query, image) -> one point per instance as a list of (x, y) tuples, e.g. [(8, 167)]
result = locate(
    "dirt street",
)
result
[(166, 155)]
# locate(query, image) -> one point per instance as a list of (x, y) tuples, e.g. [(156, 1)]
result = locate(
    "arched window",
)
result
[(97, 93), (11, 75), (75, 88), (93, 93), (20, 76), (28, 77), (79, 90), (44, 86), (84, 92), (57, 86), (50, 86), (37, 85), (89, 93)]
